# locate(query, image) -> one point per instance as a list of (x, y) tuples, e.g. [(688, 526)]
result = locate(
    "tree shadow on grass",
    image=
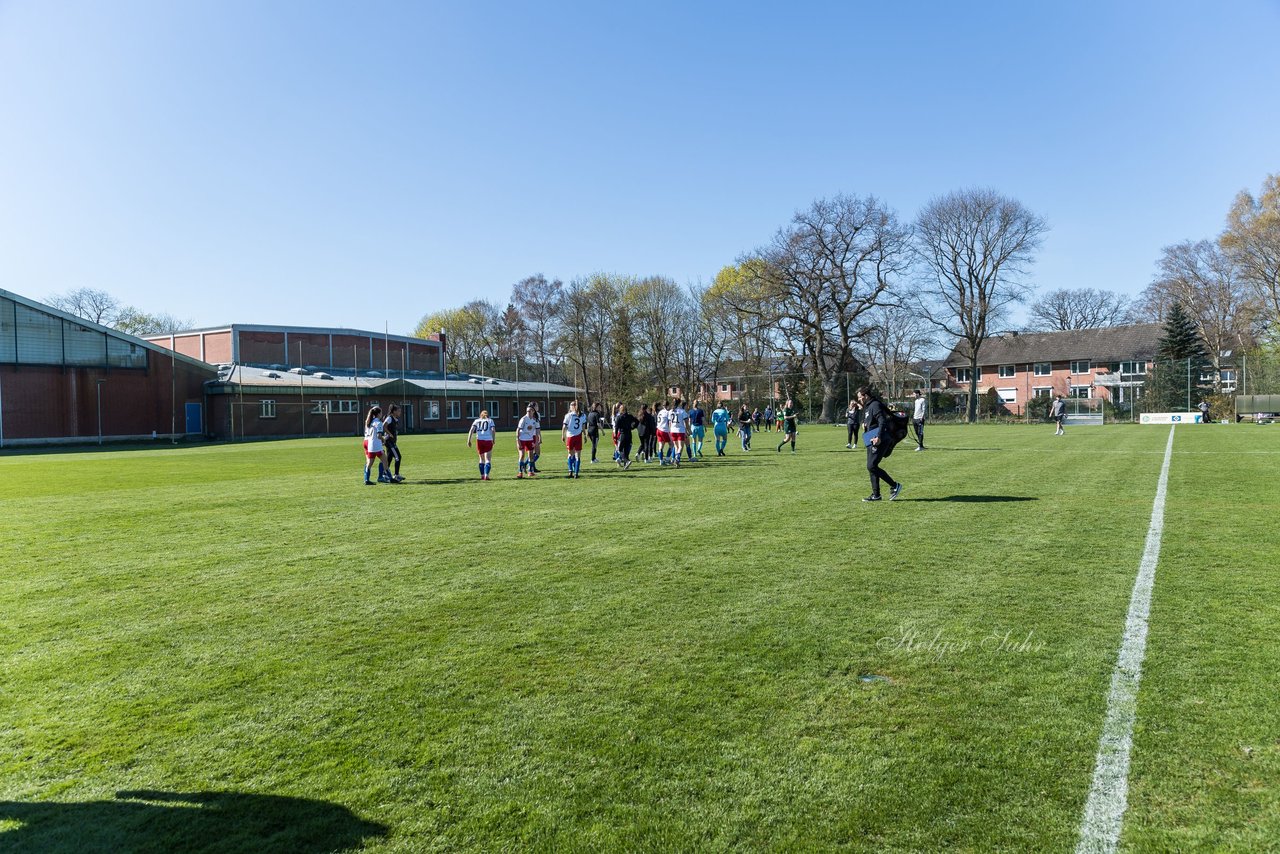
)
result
[(976, 499), (149, 821)]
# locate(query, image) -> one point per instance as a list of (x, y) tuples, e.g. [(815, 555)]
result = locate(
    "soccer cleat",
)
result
[(370, 483), (849, 446), (896, 491), (872, 498), (520, 476)]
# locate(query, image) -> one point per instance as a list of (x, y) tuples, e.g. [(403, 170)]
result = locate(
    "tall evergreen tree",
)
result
[(1180, 357)]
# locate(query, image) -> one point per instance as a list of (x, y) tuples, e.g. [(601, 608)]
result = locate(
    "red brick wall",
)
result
[(41, 402)]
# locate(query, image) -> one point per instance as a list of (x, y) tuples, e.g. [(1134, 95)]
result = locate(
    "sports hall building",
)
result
[(296, 381), (64, 379)]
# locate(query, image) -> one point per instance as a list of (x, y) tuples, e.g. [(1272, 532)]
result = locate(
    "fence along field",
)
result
[(738, 653)]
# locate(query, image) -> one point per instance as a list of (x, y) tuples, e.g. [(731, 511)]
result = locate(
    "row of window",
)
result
[(431, 408), (1010, 395), (1044, 369)]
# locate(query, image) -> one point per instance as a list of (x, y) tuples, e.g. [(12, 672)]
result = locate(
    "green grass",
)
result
[(240, 647)]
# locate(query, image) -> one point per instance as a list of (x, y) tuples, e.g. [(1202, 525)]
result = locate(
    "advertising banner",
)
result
[(1171, 418)]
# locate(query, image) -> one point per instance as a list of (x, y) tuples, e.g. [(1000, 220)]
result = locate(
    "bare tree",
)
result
[(1207, 283), (1252, 239), (821, 274), (656, 305), (1078, 308), (974, 246), (137, 322), (897, 338), (97, 306), (538, 302)]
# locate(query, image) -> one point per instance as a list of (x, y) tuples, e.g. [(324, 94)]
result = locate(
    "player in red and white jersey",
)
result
[(571, 432), (373, 449), (483, 430), (527, 432), (679, 427), (664, 432)]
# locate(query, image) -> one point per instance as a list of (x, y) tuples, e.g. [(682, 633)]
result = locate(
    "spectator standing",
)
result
[(851, 416), (917, 419)]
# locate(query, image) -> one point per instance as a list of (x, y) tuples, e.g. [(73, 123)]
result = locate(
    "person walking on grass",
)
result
[(373, 449), (744, 427), (720, 419), (875, 424), (917, 419), (1058, 412), (482, 429), (623, 423), (679, 429), (697, 430), (768, 417), (391, 443), (527, 431), (595, 418), (851, 415), (571, 434), (787, 418), (646, 429)]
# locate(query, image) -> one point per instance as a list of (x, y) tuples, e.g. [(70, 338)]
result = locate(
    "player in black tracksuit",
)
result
[(876, 417), (623, 423)]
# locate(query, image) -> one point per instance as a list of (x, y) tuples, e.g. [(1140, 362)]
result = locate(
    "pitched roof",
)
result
[(1104, 344)]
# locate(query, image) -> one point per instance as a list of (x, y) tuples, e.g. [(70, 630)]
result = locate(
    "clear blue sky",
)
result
[(351, 164)]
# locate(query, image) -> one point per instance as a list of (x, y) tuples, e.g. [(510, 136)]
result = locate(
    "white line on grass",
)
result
[(1109, 794)]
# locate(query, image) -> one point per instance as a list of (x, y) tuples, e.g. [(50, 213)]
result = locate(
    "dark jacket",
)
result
[(873, 416)]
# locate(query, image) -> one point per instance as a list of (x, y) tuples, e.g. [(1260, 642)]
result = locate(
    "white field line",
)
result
[(1109, 794)]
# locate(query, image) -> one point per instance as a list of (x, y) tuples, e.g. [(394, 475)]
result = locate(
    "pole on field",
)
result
[(1, 415), (302, 391), (1188, 383), (240, 389), (173, 396), (99, 383), (355, 379)]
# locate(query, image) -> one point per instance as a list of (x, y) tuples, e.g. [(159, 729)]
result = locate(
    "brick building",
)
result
[(313, 348), (1108, 363), (65, 379)]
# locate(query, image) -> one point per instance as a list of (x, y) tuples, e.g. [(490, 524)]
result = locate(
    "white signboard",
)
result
[(1171, 418)]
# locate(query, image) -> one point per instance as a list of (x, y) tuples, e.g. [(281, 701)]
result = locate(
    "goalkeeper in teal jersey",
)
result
[(720, 419)]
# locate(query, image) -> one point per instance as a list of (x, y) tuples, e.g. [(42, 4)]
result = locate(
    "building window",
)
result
[(1008, 395), (552, 413), (1007, 371), (1042, 369), (321, 407), (431, 410), (455, 409), (1081, 366), (493, 409), (268, 409), (724, 386), (1081, 392), (1228, 377), (1133, 368), (963, 374), (1042, 391), (473, 409), (348, 406)]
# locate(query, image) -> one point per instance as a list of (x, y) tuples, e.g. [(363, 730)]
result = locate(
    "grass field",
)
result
[(241, 648)]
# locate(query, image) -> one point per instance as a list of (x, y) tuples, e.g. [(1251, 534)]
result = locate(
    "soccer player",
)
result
[(648, 432), (373, 443), (571, 434), (787, 418), (744, 427), (527, 431), (623, 424), (679, 429), (595, 418), (617, 407), (482, 429), (720, 419), (664, 432), (1058, 412), (537, 440), (391, 444), (697, 430)]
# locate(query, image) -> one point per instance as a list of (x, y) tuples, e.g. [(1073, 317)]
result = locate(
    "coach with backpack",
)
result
[(878, 434)]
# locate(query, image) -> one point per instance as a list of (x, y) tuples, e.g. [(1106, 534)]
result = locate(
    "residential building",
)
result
[(1108, 363)]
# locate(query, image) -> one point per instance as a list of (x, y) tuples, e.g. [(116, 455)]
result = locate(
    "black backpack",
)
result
[(893, 429)]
